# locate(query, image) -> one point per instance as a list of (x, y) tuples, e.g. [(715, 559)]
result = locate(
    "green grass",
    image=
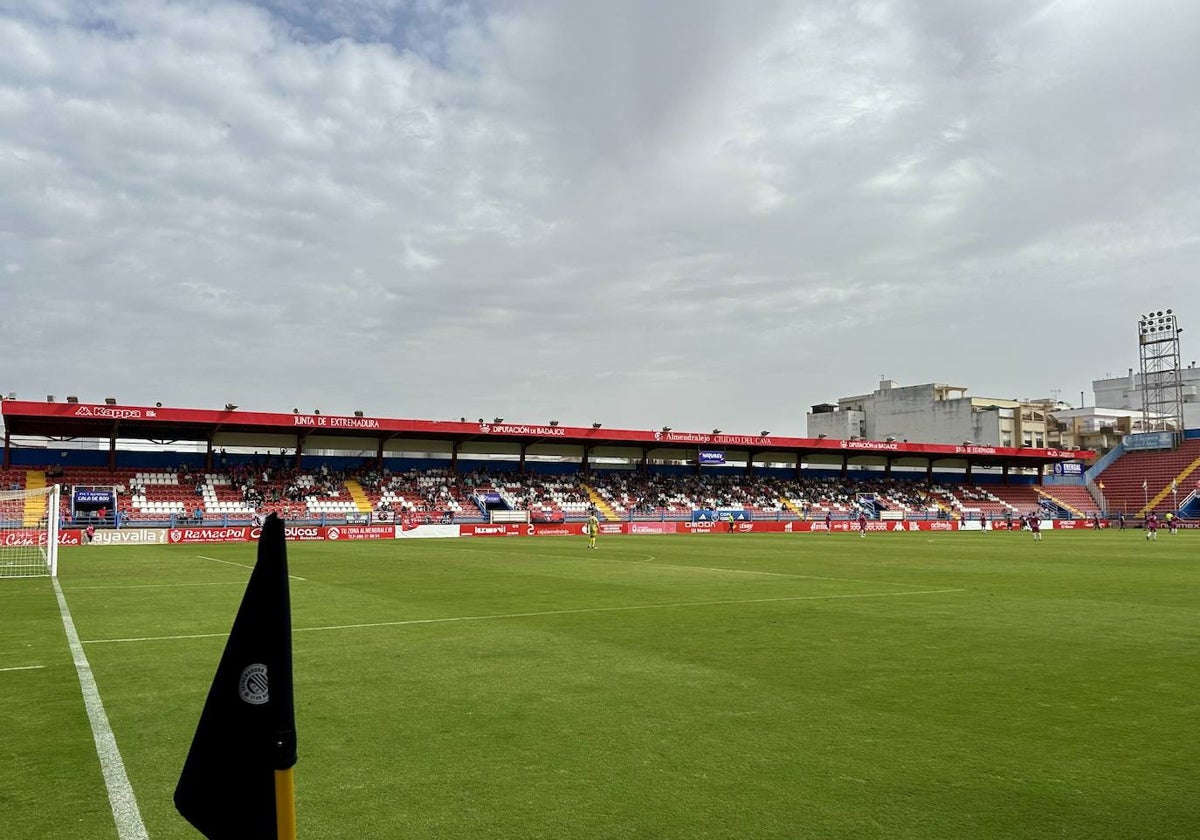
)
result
[(657, 688)]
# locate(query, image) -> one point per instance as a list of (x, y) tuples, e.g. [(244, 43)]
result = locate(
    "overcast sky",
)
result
[(687, 212)]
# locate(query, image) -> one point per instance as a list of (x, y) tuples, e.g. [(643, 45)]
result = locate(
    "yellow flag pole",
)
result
[(285, 805)]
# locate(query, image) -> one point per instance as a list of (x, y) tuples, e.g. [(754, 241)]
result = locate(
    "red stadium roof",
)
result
[(158, 423)]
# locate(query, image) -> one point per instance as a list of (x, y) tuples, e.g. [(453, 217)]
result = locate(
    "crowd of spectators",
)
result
[(649, 495)]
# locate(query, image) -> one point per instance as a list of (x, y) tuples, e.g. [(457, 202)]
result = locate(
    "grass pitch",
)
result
[(725, 686)]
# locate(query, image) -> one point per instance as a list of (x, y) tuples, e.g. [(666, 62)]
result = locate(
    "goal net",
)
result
[(29, 532)]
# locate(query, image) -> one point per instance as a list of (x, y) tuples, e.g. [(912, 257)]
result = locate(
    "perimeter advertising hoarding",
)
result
[(151, 536), (31, 537), (1149, 440), (304, 533), (130, 536)]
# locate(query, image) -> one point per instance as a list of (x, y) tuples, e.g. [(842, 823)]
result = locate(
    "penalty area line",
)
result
[(651, 564), (581, 610), (23, 668), (242, 565)]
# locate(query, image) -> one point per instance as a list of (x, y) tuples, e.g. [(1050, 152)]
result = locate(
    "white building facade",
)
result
[(933, 413), (1125, 392)]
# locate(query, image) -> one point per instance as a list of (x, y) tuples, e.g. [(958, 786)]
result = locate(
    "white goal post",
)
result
[(29, 532)]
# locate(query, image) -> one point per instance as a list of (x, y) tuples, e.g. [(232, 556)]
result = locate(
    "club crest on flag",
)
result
[(253, 685)]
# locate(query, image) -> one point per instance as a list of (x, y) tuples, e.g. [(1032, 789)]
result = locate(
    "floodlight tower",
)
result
[(1162, 386)]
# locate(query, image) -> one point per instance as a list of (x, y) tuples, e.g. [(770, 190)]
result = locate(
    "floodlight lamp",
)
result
[(158, 404), (763, 433), (497, 419), (72, 399), (822, 436), (358, 414), (230, 407), (316, 411), (596, 425), (666, 428), (295, 411), (716, 431), (49, 398), (110, 400), (1168, 311), (553, 422)]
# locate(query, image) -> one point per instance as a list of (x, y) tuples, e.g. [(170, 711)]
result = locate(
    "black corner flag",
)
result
[(236, 782)]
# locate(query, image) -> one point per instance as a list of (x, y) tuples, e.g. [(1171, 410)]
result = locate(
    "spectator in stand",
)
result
[(198, 515)]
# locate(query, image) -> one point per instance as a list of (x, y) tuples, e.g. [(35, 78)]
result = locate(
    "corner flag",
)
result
[(236, 782)]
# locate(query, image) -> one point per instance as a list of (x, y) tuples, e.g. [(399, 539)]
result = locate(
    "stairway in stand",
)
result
[(358, 495), (791, 506), (1177, 481), (35, 506), (598, 501), (1076, 512)]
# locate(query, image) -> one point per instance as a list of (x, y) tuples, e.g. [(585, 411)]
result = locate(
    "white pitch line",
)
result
[(593, 559), (126, 815), (158, 585), (242, 565), (495, 616), (23, 668)]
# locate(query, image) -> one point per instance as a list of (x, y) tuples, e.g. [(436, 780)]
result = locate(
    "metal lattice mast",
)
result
[(1162, 386)]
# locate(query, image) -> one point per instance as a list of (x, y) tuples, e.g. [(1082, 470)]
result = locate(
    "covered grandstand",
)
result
[(179, 465)]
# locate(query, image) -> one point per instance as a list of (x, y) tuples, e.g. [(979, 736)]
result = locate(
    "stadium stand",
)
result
[(1121, 482), (234, 493)]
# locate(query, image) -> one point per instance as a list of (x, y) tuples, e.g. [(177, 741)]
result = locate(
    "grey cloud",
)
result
[(698, 213)]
